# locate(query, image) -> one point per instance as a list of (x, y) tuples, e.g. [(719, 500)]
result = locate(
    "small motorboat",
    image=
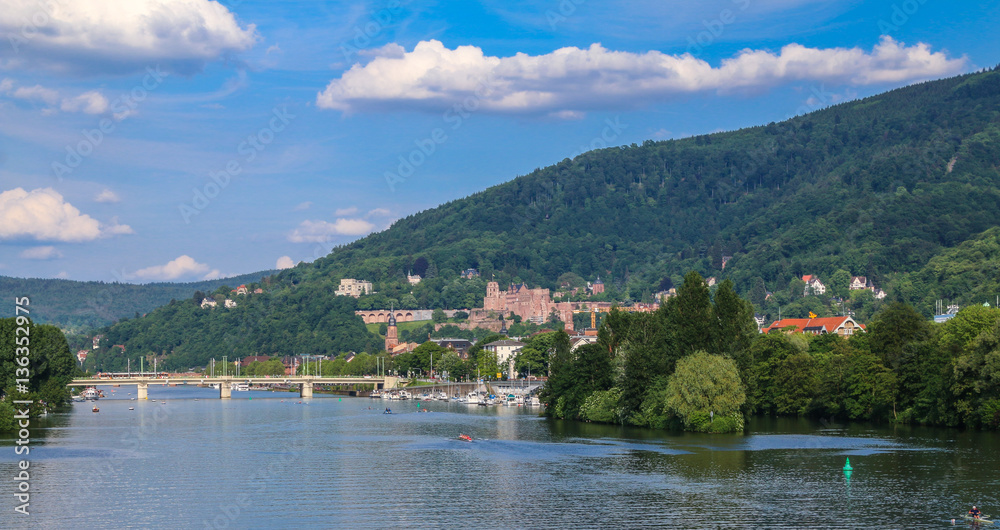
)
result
[(465, 437), (96, 409), (131, 408)]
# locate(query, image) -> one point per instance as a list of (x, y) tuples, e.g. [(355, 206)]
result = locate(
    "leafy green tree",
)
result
[(438, 316), (840, 283), (704, 385)]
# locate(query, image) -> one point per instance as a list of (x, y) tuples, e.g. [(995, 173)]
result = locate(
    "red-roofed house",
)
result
[(843, 326), (813, 285)]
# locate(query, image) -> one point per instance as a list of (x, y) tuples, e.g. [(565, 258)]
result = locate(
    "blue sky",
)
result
[(176, 140)]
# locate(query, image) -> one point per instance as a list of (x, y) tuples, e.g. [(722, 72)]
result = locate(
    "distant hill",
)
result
[(74, 305), (895, 187)]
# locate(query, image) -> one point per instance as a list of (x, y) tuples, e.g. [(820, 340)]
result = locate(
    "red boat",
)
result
[(465, 437)]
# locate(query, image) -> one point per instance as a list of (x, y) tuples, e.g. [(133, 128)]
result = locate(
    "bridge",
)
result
[(305, 382)]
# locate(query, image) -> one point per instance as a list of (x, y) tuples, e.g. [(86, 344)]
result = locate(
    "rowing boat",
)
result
[(982, 520)]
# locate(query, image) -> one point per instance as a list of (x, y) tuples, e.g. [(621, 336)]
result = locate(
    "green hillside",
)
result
[(898, 187), (73, 305), (875, 187)]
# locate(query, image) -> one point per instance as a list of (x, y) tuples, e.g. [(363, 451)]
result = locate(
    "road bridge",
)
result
[(305, 382)]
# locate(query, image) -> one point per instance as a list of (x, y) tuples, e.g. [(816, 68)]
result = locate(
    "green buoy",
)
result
[(847, 466)]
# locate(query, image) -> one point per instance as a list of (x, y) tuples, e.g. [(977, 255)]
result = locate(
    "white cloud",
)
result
[(323, 231), (121, 36), (341, 212), (379, 212), (107, 196), (570, 80), (183, 267), (92, 102), (41, 253), (284, 262), (302, 206), (36, 93), (63, 275), (42, 214)]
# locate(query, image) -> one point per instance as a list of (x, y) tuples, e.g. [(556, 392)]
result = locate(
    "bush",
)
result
[(603, 406), (6, 416)]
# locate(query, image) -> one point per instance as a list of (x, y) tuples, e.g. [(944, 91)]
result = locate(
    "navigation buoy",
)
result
[(847, 465)]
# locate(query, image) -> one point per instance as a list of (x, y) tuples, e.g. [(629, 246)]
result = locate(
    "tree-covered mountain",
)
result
[(74, 305), (876, 187), (896, 187)]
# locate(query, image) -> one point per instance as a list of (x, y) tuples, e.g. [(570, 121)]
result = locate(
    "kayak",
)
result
[(465, 437), (982, 520)]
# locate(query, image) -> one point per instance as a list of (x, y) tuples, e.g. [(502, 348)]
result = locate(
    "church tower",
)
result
[(391, 339)]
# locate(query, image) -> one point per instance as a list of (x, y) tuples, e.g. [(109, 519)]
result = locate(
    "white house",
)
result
[(858, 282), (504, 349), (230, 303), (352, 287), (208, 302), (813, 285)]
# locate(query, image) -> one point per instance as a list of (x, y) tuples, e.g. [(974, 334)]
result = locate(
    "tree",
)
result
[(438, 316), (690, 319), (840, 283), (702, 386)]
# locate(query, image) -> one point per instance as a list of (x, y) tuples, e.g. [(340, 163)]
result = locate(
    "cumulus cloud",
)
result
[(42, 214), (341, 212), (122, 36), (107, 196), (323, 231), (41, 253), (379, 212), (570, 80), (284, 262), (183, 267), (302, 206), (92, 102)]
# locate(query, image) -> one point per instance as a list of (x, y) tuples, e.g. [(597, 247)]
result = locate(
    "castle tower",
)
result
[(391, 339)]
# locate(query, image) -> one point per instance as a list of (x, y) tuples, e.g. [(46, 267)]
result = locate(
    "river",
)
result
[(267, 460)]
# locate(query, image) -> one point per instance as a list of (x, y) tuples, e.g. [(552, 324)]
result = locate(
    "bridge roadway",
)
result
[(305, 382)]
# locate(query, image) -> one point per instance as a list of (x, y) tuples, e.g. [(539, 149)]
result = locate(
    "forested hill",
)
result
[(876, 187), (74, 305)]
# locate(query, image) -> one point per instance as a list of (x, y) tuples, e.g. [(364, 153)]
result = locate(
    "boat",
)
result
[(79, 398), (465, 437), (472, 398), (387, 411), (403, 394), (240, 387), (131, 408), (979, 520), (90, 393), (96, 409)]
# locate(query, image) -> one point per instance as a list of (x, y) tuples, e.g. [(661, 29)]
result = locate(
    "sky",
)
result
[(180, 140)]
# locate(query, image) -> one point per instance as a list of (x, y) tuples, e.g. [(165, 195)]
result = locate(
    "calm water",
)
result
[(271, 462)]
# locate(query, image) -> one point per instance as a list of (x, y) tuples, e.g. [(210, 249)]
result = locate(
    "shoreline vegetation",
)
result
[(698, 364)]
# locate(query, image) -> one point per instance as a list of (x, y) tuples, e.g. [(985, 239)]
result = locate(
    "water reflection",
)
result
[(273, 461)]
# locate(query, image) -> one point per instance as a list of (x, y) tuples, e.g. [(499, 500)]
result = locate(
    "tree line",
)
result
[(699, 364)]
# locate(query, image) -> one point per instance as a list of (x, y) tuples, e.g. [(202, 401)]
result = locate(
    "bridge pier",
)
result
[(306, 389), (225, 390), (143, 393)]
